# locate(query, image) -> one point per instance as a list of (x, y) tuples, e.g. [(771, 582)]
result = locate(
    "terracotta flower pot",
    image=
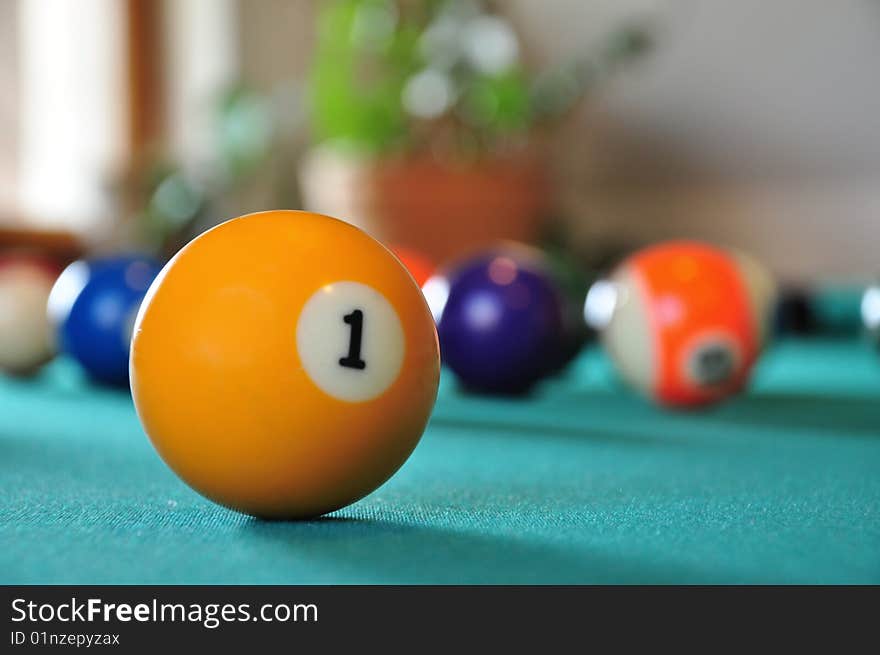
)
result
[(440, 209)]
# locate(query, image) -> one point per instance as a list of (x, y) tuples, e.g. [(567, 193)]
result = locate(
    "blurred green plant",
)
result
[(244, 128), (176, 199), (387, 76), (363, 57), (408, 74)]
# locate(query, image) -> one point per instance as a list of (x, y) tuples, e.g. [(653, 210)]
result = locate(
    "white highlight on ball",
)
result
[(483, 311), (66, 290), (871, 308), (600, 303), (436, 292)]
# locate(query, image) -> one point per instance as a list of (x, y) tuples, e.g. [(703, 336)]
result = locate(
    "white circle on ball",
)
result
[(350, 341)]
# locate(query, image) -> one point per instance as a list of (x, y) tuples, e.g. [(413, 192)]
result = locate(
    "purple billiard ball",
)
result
[(500, 322)]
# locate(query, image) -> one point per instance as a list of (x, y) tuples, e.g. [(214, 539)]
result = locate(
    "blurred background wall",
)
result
[(8, 104), (753, 124)]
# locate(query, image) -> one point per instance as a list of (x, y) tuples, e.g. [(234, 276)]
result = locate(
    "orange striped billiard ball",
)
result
[(688, 321), (284, 364)]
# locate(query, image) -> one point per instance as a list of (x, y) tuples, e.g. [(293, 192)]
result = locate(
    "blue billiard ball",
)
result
[(500, 322), (93, 306)]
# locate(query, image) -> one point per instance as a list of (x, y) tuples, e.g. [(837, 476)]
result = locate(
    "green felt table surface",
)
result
[(581, 483)]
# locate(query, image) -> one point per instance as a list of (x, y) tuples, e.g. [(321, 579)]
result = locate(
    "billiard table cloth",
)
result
[(582, 482)]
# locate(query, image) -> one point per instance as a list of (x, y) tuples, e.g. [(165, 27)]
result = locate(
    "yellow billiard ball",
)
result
[(284, 364)]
